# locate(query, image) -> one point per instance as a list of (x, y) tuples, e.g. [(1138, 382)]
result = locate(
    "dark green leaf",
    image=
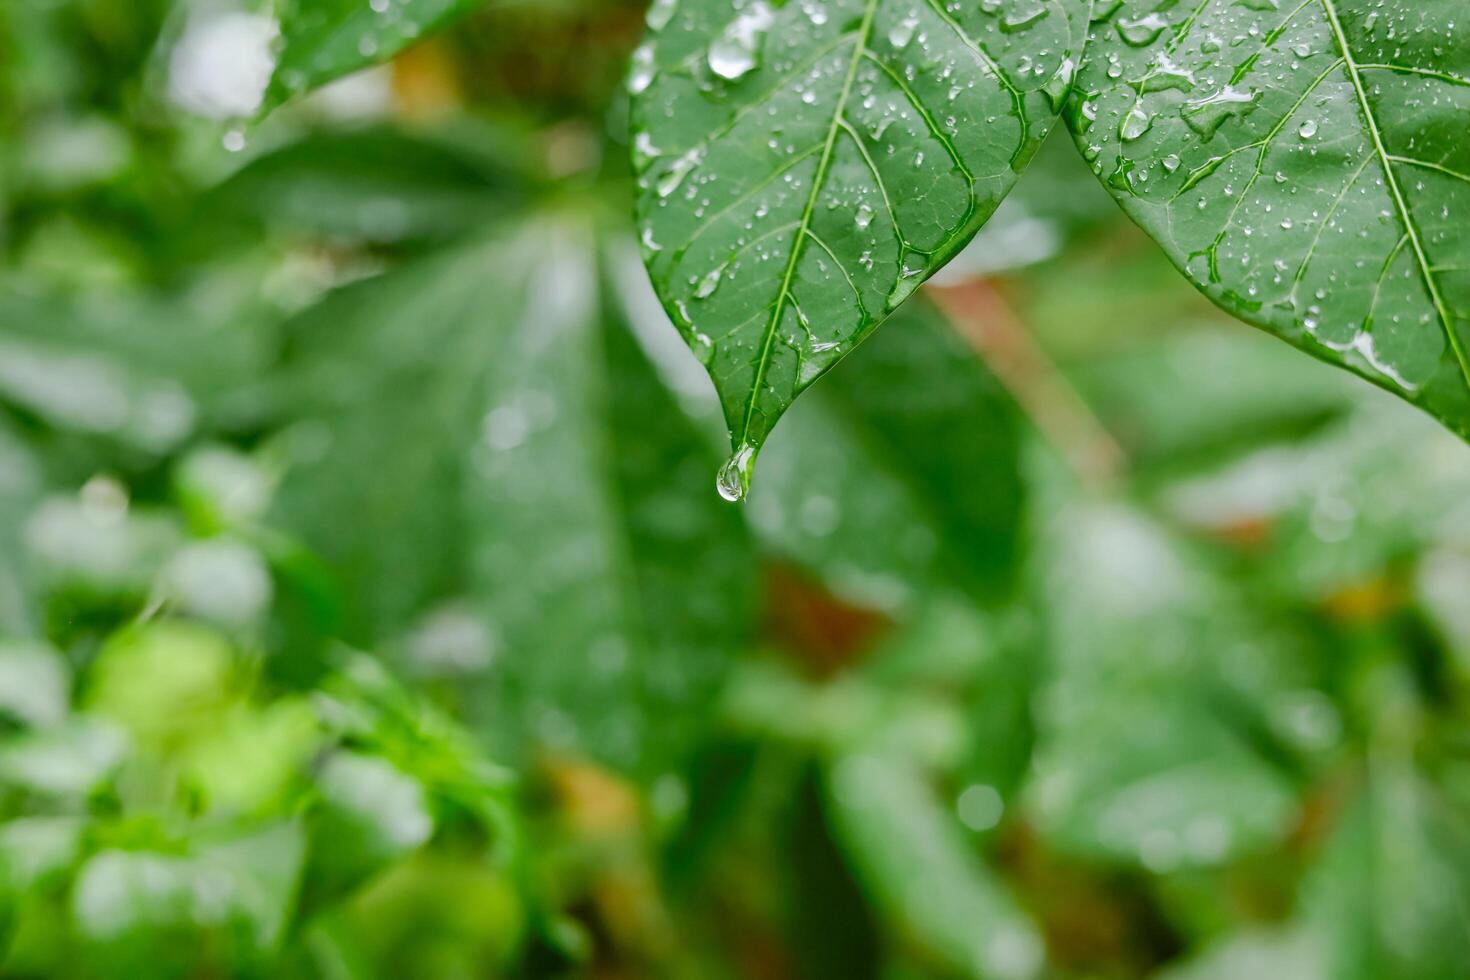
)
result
[(804, 167), (902, 468), (482, 409), (1304, 163)]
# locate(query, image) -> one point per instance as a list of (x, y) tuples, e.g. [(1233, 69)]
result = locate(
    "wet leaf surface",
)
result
[(1304, 163), (805, 167)]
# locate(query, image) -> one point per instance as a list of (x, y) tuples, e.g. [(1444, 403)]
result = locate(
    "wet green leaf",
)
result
[(805, 166), (323, 40), (1304, 163)]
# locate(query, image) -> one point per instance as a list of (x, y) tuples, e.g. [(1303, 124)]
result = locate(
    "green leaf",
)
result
[(377, 185), (1161, 681), (323, 40), (1304, 163), (1387, 900), (910, 856), (20, 485), (514, 453), (804, 167)]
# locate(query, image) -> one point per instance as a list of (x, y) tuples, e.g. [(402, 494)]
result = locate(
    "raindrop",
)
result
[(1140, 32), (736, 52), (733, 481)]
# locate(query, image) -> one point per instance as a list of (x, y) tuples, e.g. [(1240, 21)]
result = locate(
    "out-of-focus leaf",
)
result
[(1158, 686), (162, 683), (483, 409), (377, 185), (800, 176), (20, 486), (371, 814), (1387, 899), (363, 705), (1303, 164), (1289, 953), (35, 684), (243, 886), (253, 756), (322, 40), (101, 550), (70, 760), (900, 471), (910, 856), (145, 373), (1335, 514), (1198, 397), (35, 849)]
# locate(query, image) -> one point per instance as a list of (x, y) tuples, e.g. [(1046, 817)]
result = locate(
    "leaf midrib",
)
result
[(1391, 176), (798, 246)]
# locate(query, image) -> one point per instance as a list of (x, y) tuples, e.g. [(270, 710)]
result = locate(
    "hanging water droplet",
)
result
[(733, 481)]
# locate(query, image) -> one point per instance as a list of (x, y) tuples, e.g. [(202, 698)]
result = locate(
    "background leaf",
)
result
[(529, 440), (322, 40)]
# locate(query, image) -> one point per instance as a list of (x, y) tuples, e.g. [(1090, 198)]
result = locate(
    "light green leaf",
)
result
[(803, 167), (513, 453), (322, 40), (1304, 163)]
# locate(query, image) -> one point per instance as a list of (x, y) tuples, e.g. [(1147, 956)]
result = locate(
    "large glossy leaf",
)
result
[(805, 166), (1304, 163), (532, 494), (322, 40)]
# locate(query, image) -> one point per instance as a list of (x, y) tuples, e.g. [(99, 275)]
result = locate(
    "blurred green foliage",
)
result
[(367, 609)]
